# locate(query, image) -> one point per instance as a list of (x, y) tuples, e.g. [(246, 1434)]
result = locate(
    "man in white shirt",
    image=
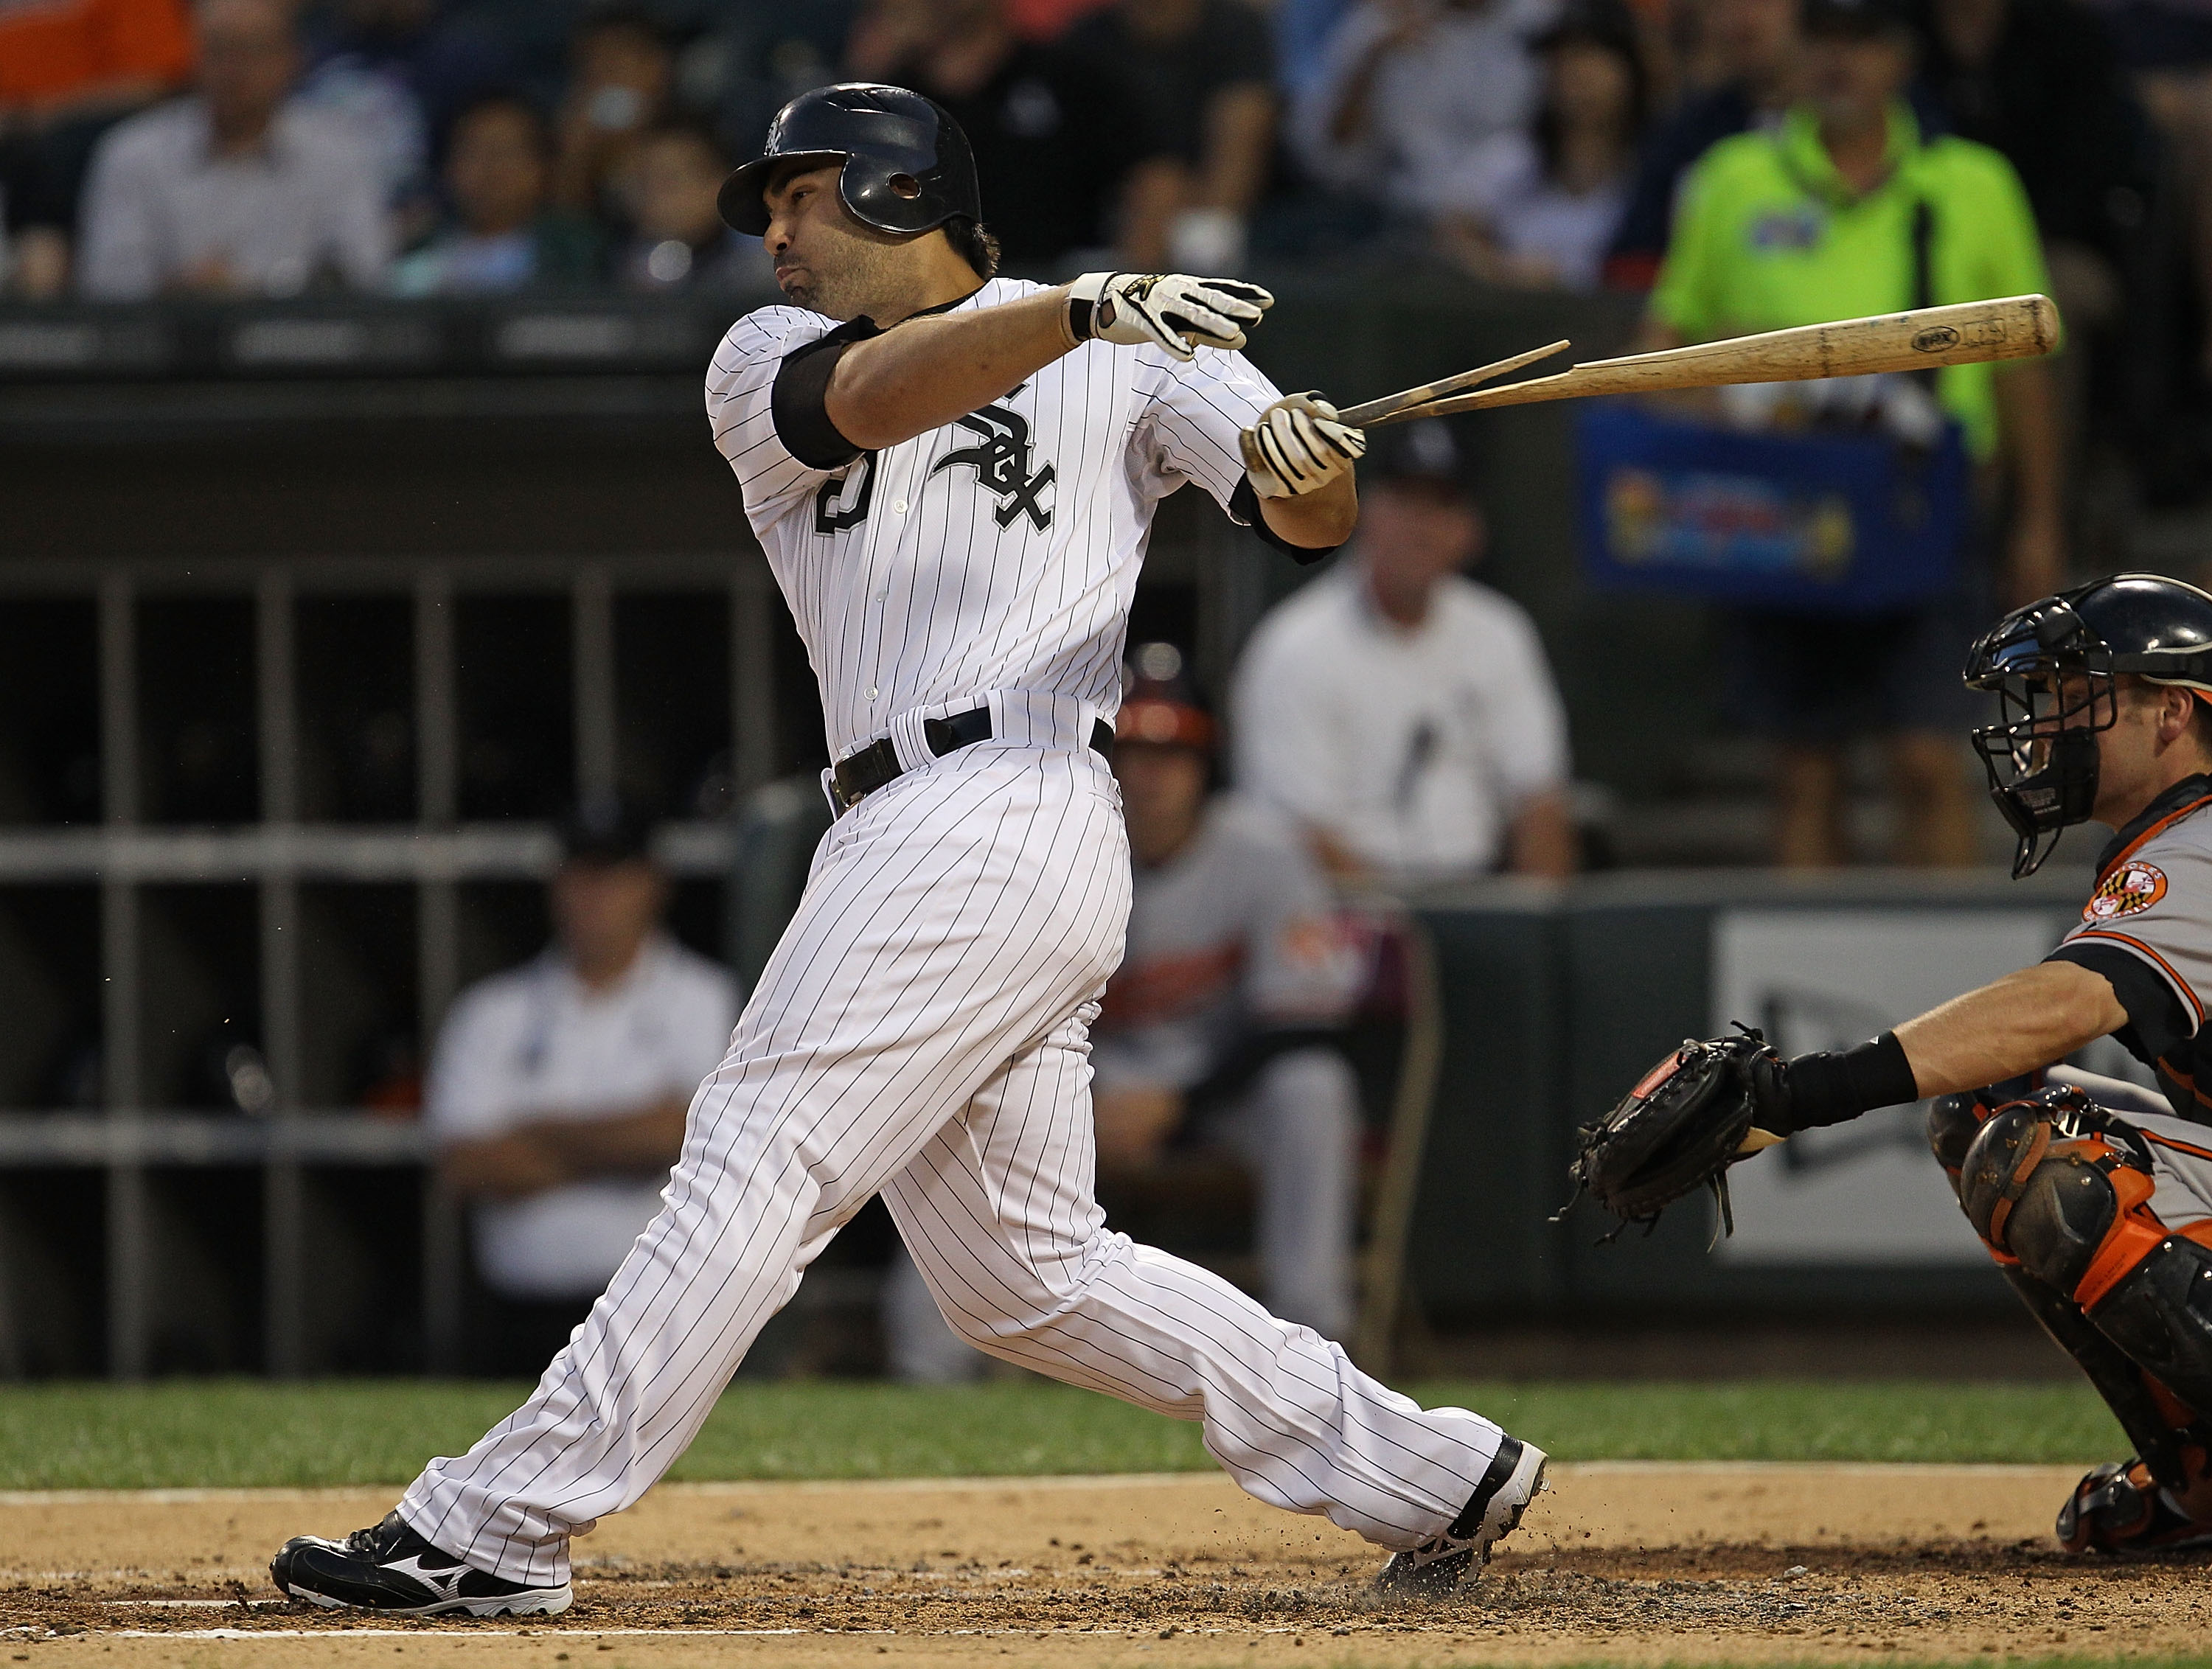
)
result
[(1403, 714), (559, 1089), (233, 192), (1410, 87)]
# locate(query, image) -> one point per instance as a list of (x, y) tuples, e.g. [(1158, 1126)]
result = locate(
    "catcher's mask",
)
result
[(2054, 668)]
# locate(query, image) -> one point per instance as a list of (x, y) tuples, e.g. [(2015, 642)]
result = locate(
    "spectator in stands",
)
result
[(750, 61), (1221, 1030), (1842, 211), (617, 88), (70, 69), (504, 236), (1751, 51), (678, 239), (1303, 30), (1537, 208), (2038, 81), (1199, 73), (399, 72), (2165, 46), (1411, 88), (1402, 715), (231, 192), (558, 1092), (1072, 172)]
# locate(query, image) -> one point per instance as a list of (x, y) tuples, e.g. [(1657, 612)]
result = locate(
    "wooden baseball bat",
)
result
[(1386, 408), (2017, 327)]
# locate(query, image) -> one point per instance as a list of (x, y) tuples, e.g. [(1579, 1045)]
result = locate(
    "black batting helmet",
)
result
[(2054, 667), (906, 165)]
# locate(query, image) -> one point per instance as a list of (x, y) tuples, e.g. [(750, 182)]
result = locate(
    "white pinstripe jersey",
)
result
[(998, 554)]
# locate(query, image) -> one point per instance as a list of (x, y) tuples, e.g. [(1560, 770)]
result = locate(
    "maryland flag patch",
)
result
[(2133, 887)]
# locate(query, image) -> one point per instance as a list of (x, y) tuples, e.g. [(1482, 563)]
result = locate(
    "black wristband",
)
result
[(1080, 320), (1828, 1088)]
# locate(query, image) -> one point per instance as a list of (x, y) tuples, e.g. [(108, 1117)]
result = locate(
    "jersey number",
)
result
[(1000, 460), (843, 500)]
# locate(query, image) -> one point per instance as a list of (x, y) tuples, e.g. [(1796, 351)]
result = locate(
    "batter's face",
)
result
[(825, 259), (1162, 793)]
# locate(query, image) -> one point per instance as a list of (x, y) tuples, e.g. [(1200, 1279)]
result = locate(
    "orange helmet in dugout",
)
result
[(1158, 704)]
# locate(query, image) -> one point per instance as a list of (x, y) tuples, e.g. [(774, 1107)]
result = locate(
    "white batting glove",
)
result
[(1298, 446), (1169, 310)]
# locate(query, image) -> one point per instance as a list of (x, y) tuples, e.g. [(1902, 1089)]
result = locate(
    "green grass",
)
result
[(182, 1434)]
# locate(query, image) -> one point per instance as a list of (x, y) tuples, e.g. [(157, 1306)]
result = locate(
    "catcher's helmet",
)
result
[(2058, 662), (906, 165)]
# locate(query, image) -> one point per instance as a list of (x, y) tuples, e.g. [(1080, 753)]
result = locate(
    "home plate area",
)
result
[(1622, 1562)]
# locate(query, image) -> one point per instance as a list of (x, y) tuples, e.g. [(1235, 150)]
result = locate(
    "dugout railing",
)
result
[(234, 1214)]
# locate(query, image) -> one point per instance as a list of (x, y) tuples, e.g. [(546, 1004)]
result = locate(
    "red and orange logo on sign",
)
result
[(2134, 886)]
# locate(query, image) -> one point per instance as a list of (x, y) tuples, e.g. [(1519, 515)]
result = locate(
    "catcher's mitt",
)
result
[(1685, 1123)]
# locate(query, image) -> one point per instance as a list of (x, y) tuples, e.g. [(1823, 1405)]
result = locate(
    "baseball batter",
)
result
[(953, 477), (2093, 1196)]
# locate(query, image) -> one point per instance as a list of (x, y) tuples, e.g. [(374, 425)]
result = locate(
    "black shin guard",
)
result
[(2159, 1313), (2118, 1380), (2048, 1187)]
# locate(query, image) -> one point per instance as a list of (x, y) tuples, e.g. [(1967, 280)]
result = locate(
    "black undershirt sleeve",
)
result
[(1244, 506), (2156, 1017), (799, 403)]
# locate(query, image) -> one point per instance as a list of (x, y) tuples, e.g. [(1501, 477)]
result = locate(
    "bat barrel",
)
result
[(1966, 333)]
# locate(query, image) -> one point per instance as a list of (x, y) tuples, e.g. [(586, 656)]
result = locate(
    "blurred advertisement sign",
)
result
[(1849, 522), (1867, 1191)]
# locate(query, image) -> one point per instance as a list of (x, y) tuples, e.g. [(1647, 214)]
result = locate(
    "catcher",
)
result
[(2094, 1196)]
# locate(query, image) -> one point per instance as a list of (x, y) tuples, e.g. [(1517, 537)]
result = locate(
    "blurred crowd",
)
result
[(458, 147), (444, 146)]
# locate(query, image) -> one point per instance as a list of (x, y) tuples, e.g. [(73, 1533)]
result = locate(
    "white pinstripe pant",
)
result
[(921, 1030)]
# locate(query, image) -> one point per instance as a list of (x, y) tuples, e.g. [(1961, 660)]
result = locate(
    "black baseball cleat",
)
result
[(388, 1567), (2119, 1508), (1512, 1480)]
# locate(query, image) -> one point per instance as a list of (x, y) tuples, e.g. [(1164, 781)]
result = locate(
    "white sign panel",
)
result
[(1867, 1191)]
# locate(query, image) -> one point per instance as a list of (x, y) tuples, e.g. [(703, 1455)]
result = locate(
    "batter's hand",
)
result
[(1169, 310), (1298, 446)]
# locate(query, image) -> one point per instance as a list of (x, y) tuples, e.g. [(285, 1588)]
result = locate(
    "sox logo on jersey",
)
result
[(1002, 464), (921, 1030)]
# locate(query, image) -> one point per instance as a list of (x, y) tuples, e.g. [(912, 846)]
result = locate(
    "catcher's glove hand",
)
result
[(1297, 447), (1686, 1122), (1169, 310)]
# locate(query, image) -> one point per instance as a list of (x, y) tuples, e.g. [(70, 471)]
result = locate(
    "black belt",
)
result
[(860, 774)]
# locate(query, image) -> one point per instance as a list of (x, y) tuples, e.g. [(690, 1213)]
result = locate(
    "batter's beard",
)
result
[(853, 276)]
